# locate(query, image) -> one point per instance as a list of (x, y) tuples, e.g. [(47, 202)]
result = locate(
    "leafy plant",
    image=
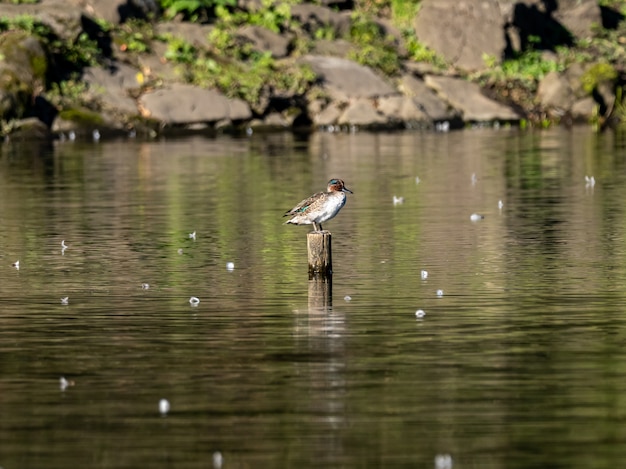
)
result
[(134, 36), (373, 49), (596, 74), (191, 9)]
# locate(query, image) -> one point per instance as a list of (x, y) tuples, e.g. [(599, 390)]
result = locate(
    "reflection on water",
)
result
[(520, 363)]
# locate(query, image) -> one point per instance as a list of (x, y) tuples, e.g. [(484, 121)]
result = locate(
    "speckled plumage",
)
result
[(320, 207)]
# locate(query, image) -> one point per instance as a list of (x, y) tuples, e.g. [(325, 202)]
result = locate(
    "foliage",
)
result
[(274, 15), (418, 52), (83, 51), (67, 92), (373, 49), (525, 69), (191, 9), (134, 36), (238, 72), (596, 74)]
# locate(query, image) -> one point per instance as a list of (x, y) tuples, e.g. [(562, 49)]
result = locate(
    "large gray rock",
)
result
[(194, 33), (554, 92), (344, 79), (317, 17), (462, 31), (111, 86), (187, 104), (431, 105), (62, 16), (263, 40), (468, 99), (362, 113)]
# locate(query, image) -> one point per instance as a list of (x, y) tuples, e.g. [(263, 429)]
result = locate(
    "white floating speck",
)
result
[(476, 217), (249, 131), (63, 245), (500, 204), (420, 313), (424, 274), (145, 286), (474, 179), (590, 181), (194, 301), (443, 461), (164, 406), (16, 264), (417, 180), (230, 266), (65, 300), (64, 383), (442, 126), (180, 251), (439, 293), (71, 135), (192, 235), (96, 135), (398, 200), (132, 133), (218, 460), (347, 298)]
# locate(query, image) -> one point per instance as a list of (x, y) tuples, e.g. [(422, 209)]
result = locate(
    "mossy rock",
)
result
[(23, 68), (596, 75), (82, 117)]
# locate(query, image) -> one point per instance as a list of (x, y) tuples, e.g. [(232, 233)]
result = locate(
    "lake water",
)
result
[(519, 360)]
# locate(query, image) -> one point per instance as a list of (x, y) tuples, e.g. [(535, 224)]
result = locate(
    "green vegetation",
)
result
[(192, 9), (372, 48), (81, 52), (596, 74)]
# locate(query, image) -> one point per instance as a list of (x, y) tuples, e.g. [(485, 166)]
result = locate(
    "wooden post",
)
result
[(320, 253)]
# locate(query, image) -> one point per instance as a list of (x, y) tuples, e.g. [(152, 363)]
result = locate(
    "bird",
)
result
[(320, 207)]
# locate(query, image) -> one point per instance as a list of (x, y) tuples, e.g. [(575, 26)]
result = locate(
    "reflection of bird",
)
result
[(320, 207)]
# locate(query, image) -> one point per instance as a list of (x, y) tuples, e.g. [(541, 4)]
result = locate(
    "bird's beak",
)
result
[(345, 189)]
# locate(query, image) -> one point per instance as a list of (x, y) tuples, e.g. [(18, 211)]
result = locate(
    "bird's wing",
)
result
[(302, 206)]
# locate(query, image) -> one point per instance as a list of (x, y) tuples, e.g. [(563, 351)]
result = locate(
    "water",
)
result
[(519, 363)]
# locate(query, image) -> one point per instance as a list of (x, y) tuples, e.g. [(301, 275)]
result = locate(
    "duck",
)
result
[(320, 207)]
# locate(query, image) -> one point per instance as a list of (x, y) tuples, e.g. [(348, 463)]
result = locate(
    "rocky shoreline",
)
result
[(137, 83)]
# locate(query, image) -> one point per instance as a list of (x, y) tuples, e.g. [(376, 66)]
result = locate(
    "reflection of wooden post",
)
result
[(320, 294), (320, 253)]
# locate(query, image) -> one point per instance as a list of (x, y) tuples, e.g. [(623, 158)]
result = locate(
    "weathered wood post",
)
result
[(320, 253)]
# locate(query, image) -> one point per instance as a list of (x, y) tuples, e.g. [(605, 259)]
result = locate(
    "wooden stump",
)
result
[(320, 253)]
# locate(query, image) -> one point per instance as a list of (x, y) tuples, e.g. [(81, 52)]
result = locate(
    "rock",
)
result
[(193, 33), (468, 99), (583, 109), (329, 115), (337, 48), (554, 92), (402, 110), (344, 79), (62, 16), (462, 32), (314, 18), (23, 71), (119, 11), (362, 113), (433, 107), (181, 104), (30, 129), (263, 40), (112, 86), (579, 16)]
